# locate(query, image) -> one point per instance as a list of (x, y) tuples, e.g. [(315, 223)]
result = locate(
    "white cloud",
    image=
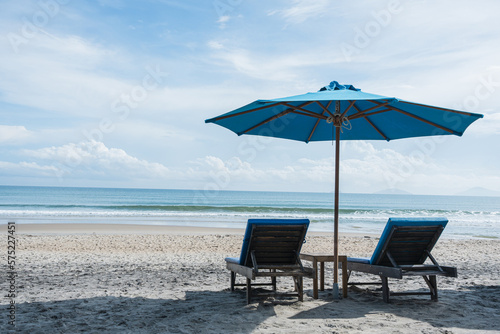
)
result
[(14, 134), (489, 125), (215, 45), (94, 158), (282, 67), (147, 132), (367, 170), (223, 20), (66, 74), (303, 10), (69, 74), (234, 173), (376, 169), (195, 102), (24, 168)]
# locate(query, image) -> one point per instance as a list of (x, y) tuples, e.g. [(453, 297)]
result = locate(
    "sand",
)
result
[(154, 279)]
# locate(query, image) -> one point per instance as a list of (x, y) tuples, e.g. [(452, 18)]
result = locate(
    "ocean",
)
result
[(470, 217)]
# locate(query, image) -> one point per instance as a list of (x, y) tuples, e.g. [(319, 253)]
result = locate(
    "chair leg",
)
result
[(298, 282), (249, 290), (233, 280), (273, 281), (434, 290), (301, 288), (385, 289), (432, 284)]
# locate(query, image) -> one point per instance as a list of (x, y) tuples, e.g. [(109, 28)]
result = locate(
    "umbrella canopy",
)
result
[(343, 112), (364, 116)]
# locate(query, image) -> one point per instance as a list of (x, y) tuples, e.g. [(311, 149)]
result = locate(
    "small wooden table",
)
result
[(322, 258)]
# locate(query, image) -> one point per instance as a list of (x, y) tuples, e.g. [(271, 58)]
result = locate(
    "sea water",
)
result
[(469, 217)]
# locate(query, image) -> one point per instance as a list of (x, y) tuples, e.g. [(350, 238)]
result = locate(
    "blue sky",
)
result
[(114, 93)]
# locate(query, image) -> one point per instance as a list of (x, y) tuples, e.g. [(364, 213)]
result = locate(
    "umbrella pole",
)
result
[(336, 216)]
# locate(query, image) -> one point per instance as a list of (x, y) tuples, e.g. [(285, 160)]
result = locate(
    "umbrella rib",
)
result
[(376, 128), (444, 109), (325, 109), (283, 113), (215, 119), (426, 121), (310, 113), (318, 116), (370, 114), (314, 129), (357, 109), (347, 109), (361, 112)]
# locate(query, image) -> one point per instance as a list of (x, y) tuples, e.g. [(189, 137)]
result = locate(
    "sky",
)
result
[(114, 93)]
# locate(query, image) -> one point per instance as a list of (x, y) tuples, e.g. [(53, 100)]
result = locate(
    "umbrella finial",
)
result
[(334, 85)]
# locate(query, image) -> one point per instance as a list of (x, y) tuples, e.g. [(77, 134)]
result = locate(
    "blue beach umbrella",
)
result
[(343, 112)]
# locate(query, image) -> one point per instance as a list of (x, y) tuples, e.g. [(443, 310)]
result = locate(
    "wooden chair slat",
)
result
[(275, 250), (409, 247)]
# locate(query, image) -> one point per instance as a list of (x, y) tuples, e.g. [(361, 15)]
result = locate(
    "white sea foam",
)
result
[(469, 217)]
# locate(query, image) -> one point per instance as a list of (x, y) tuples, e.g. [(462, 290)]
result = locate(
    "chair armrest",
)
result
[(376, 270)]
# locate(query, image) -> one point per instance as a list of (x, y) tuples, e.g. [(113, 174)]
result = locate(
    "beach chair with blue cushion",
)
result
[(403, 248), (271, 249)]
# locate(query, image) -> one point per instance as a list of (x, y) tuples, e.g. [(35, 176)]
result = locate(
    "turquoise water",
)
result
[(470, 217)]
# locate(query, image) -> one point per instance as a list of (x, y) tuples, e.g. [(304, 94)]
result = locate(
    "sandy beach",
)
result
[(158, 279)]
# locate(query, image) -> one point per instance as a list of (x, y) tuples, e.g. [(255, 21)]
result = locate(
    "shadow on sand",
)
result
[(225, 312), (198, 312), (455, 309)]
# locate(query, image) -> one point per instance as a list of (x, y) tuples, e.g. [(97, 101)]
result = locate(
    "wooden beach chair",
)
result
[(271, 249), (402, 250)]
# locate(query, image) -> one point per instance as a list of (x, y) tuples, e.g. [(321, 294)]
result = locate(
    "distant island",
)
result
[(479, 191), (476, 191)]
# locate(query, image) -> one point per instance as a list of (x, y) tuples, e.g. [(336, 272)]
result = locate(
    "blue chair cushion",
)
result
[(251, 222), (403, 222)]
